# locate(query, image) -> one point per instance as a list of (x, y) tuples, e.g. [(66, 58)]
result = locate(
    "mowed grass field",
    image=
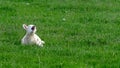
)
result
[(78, 33)]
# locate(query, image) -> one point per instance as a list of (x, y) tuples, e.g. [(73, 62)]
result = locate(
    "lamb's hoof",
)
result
[(41, 45)]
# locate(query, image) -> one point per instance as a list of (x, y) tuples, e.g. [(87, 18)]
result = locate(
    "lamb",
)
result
[(30, 37)]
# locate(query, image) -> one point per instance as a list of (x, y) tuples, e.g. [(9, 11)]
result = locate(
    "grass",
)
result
[(78, 33)]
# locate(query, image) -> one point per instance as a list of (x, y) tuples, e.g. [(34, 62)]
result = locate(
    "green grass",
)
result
[(88, 38)]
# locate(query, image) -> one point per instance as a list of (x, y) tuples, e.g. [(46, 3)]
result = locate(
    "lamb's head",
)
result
[(30, 28)]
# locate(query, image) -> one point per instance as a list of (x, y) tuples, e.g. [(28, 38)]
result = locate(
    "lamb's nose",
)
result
[(33, 28)]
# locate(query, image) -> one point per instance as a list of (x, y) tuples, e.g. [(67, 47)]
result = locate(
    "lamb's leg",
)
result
[(39, 43), (42, 42)]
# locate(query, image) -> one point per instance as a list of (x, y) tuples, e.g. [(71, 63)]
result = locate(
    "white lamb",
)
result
[(31, 37)]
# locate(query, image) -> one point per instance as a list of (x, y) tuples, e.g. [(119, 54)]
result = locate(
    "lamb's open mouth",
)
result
[(33, 28)]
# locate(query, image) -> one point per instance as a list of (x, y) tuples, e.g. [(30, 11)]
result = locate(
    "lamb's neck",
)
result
[(30, 34)]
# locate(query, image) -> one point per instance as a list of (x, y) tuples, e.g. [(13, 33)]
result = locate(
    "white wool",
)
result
[(30, 36)]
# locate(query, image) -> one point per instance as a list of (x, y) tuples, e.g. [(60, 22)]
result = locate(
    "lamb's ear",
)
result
[(25, 26)]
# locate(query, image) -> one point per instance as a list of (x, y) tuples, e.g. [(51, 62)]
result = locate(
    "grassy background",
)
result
[(89, 36)]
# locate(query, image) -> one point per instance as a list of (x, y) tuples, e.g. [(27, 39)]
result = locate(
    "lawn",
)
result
[(77, 33)]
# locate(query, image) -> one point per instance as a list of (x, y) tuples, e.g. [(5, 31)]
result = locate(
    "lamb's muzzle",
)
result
[(33, 27)]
